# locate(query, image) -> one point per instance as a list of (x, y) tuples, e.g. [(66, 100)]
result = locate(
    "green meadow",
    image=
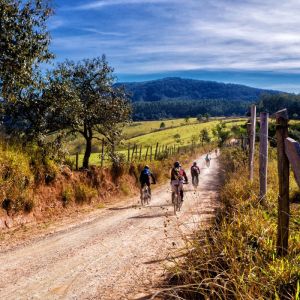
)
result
[(178, 132)]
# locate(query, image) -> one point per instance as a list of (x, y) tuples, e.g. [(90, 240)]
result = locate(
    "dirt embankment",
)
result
[(70, 193), (119, 252)]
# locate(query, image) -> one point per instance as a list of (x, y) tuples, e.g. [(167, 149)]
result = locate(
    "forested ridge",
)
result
[(174, 88), (177, 97), (167, 109)]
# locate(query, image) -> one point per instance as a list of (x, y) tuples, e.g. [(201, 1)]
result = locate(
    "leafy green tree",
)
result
[(24, 42), (221, 133), (206, 116), (177, 138), (162, 125), (204, 136), (39, 114), (199, 118), (100, 108)]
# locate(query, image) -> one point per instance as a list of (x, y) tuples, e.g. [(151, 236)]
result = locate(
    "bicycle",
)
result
[(207, 160), (177, 199), (195, 181), (146, 196)]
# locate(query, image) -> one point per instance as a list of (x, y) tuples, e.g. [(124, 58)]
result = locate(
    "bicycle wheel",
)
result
[(179, 202), (144, 196), (148, 197)]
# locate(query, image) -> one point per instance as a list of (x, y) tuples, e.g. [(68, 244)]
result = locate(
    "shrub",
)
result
[(84, 193), (67, 195), (28, 205)]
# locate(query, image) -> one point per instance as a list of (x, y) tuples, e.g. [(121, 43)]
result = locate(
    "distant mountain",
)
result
[(173, 88)]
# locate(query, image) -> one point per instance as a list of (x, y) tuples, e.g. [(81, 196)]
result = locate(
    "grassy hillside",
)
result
[(177, 132)]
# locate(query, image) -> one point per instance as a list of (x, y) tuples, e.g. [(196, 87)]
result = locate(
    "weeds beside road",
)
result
[(236, 259)]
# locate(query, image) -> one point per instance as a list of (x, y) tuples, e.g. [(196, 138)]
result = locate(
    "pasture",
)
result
[(145, 134)]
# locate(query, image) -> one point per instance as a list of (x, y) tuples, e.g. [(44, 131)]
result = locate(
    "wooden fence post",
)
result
[(252, 141), (263, 155), (128, 157), (136, 152), (292, 150), (140, 157), (133, 151), (146, 155), (156, 151), (102, 153), (150, 153), (283, 176), (76, 161)]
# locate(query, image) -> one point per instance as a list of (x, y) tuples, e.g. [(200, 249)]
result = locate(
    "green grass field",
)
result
[(177, 132), (140, 128)]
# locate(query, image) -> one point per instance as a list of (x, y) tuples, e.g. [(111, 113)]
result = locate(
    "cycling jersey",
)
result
[(178, 174), (195, 171), (145, 177)]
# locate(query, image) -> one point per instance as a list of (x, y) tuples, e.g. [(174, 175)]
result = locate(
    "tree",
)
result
[(207, 116), (221, 133), (40, 110), (199, 118), (204, 136), (24, 42), (162, 125), (100, 108), (187, 119), (177, 138)]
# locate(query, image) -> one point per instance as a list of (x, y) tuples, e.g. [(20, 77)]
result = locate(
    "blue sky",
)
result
[(249, 42)]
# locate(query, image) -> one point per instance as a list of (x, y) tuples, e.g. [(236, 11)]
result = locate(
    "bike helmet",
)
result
[(146, 167), (176, 164)]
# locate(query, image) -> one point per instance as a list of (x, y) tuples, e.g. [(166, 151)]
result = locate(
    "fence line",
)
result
[(288, 152)]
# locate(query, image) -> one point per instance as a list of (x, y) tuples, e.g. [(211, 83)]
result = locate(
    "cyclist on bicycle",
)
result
[(195, 171), (145, 178), (207, 159), (178, 175)]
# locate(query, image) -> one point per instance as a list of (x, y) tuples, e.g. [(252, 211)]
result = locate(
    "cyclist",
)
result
[(207, 159), (145, 178), (195, 172), (178, 175)]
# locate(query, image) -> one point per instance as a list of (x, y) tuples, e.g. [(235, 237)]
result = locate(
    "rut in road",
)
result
[(120, 254)]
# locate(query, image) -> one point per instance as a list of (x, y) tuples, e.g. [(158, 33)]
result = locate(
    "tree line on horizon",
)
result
[(169, 109)]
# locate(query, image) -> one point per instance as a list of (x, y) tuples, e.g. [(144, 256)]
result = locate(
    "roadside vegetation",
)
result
[(236, 259)]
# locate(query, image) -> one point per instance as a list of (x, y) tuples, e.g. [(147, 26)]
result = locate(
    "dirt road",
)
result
[(119, 254)]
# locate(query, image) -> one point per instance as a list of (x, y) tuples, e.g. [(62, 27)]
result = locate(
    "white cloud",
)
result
[(103, 3), (192, 34)]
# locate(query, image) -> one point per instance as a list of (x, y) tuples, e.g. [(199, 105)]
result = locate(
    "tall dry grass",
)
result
[(236, 259)]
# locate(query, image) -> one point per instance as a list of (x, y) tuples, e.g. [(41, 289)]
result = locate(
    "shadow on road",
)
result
[(163, 214), (123, 208)]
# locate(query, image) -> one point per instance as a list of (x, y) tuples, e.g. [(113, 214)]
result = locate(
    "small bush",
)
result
[(28, 205), (67, 195), (118, 167), (84, 193), (7, 204), (162, 155), (70, 162), (125, 189)]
